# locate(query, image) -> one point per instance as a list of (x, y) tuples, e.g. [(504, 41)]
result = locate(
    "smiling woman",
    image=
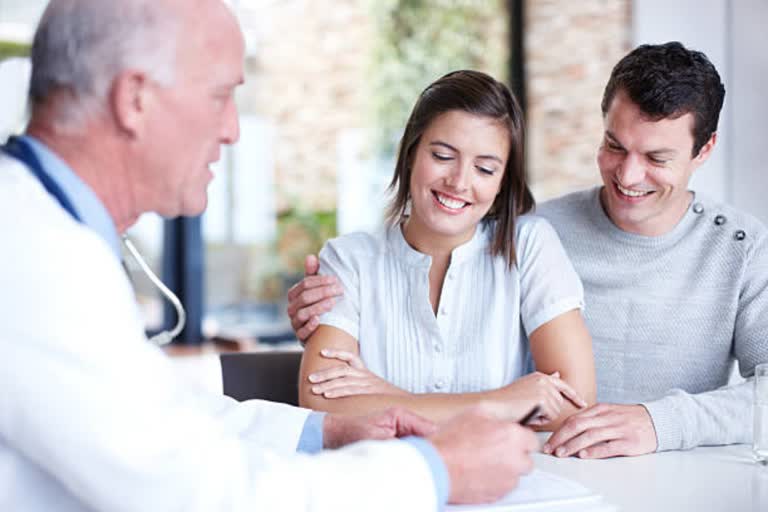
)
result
[(463, 293)]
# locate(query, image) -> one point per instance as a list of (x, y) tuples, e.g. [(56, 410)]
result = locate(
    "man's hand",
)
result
[(604, 430), (341, 429), (350, 378), (485, 456), (310, 298)]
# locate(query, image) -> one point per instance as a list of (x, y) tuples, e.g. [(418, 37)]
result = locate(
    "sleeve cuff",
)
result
[(351, 327), (311, 440), (437, 468), (667, 423), (547, 313)]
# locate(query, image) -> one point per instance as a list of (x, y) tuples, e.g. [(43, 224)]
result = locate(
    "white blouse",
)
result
[(478, 340)]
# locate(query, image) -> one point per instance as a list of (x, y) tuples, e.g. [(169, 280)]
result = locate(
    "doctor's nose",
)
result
[(230, 128)]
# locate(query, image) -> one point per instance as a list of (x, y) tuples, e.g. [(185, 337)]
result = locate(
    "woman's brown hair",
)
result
[(478, 94)]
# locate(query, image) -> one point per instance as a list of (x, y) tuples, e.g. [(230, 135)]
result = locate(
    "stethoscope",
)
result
[(20, 150)]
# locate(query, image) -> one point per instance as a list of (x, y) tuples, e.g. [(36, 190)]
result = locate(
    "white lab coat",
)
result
[(91, 417)]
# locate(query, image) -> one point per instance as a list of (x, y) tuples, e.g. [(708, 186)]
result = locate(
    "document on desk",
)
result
[(539, 491)]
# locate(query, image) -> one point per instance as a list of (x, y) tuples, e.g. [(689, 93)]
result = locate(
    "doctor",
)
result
[(131, 100)]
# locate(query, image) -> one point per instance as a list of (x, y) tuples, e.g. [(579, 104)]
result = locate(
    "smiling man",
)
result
[(675, 284), (646, 165)]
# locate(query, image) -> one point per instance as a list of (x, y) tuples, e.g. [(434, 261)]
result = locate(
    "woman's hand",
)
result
[(549, 392), (349, 379)]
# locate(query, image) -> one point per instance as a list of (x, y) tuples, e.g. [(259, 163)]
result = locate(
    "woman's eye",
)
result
[(486, 170), (442, 157)]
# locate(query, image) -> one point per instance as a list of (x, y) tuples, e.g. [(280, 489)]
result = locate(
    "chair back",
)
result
[(270, 376)]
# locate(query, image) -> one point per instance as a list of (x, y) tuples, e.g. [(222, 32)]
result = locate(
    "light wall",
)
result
[(732, 34)]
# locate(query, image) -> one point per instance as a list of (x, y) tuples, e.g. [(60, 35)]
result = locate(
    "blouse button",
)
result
[(440, 384), (740, 235), (443, 311), (720, 220), (698, 208), (437, 347), (450, 276)]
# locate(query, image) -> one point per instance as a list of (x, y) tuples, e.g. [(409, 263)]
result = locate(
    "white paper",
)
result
[(538, 489)]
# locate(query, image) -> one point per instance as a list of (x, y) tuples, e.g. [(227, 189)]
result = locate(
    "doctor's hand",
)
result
[(604, 430), (310, 298), (343, 429), (350, 378), (485, 456)]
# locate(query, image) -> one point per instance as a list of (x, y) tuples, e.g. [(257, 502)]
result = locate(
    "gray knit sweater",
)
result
[(669, 315)]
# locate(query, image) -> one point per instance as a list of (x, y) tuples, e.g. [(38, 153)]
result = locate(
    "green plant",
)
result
[(11, 49), (417, 41), (301, 232)]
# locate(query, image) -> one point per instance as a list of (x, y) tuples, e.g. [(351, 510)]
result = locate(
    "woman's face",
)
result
[(457, 171)]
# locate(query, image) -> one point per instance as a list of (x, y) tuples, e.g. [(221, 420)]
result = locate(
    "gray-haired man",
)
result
[(131, 101)]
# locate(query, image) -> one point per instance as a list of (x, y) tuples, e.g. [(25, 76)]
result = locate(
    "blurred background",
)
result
[(329, 86)]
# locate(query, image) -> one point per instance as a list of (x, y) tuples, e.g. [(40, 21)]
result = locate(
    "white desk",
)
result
[(718, 479), (704, 480)]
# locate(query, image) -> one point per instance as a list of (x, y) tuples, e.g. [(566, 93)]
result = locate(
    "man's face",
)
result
[(646, 166), (196, 115)]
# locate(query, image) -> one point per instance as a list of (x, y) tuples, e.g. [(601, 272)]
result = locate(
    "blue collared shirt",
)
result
[(311, 441), (88, 206), (94, 215)]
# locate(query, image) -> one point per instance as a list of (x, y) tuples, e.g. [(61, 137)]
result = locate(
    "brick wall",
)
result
[(306, 76), (571, 48)]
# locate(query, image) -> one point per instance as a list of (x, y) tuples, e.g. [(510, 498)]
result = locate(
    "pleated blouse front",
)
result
[(478, 340)]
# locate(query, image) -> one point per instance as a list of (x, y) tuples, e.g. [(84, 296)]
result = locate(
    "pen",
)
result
[(530, 416)]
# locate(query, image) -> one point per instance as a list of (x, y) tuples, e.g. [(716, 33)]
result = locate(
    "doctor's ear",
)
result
[(129, 99)]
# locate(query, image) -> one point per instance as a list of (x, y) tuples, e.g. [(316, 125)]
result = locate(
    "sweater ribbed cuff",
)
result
[(667, 423)]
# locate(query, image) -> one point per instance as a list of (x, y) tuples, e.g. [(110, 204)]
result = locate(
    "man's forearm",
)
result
[(722, 416)]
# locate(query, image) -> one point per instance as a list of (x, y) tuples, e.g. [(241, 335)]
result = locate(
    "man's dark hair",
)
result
[(668, 81)]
